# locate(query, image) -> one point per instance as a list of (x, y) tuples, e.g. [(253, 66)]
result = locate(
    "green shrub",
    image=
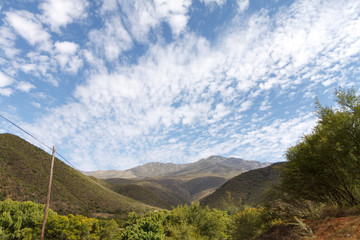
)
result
[(250, 223), (147, 227), (184, 222), (24, 221)]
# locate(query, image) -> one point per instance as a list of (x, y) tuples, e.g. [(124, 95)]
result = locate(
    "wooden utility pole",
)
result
[(48, 195)]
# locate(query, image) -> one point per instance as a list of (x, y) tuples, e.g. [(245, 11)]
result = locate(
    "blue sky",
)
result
[(117, 83)]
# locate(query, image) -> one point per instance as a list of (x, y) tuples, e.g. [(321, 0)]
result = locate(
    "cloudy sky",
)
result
[(118, 83)]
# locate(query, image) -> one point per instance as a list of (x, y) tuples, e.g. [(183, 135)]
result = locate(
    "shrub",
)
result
[(184, 222), (24, 221), (250, 223)]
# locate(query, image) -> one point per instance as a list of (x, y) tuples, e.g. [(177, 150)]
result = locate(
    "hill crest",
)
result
[(211, 166)]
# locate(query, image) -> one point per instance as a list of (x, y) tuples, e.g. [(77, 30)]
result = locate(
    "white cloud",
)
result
[(66, 47), (59, 13), (66, 54), (265, 105), (112, 40), (5, 80), (245, 106), (40, 65), (36, 104), (269, 142), (218, 2), (183, 90), (243, 5), (29, 27), (175, 12), (6, 91), (7, 42), (24, 86), (142, 16)]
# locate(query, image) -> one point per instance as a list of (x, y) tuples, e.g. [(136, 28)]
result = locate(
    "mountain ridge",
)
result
[(211, 166)]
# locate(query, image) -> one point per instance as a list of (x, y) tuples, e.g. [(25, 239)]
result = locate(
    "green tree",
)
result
[(325, 165)]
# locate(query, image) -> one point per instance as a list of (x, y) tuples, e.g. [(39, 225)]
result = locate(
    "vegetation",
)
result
[(24, 221), (165, 192), (324, 166), (321, 179), (195, 222), (249, 186)]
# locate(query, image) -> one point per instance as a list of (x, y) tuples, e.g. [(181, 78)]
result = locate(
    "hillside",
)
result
[(213, 166), (165, 192), (167, 185), (249, 186), (24, 174)]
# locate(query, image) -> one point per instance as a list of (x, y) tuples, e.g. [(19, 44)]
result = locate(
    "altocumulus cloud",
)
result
[(153, 81)]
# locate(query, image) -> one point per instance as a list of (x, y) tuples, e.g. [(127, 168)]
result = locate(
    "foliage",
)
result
[(324, 166), (248, 186), (184, 222), (21, 220), (250, 222), (147, 227), (284, 206), (24, 221)]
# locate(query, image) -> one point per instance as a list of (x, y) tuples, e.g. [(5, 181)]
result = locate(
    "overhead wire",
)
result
[(41, 142)]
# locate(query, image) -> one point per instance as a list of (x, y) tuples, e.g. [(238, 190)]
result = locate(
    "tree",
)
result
[(325, 165)]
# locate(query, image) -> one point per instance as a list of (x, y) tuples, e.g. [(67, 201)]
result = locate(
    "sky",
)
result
[(117, 83)]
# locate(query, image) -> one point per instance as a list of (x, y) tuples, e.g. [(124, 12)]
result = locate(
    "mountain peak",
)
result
[(212, 166)]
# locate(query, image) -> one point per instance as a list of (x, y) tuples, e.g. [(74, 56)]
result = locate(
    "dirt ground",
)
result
[(346, 228), (336, 228)]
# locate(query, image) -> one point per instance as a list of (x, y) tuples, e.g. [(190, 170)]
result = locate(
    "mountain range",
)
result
[(167, 185), (213, 166), (24, 173)]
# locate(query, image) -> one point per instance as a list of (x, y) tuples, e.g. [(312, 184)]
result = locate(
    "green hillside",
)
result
[(24, 174), (160, 193), (165, 192), (249, 186)]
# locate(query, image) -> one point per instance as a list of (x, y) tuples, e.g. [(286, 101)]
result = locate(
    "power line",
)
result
[(25, 132), (31, 135)]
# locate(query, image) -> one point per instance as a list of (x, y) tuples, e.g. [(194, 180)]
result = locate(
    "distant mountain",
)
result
[(165, 192), (249, 186), (24, 175), (212, 166), (167, 185)]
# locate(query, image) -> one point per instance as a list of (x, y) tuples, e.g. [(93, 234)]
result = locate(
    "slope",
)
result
[(164, 192), (213, 166), (249, 186), (24, 176)]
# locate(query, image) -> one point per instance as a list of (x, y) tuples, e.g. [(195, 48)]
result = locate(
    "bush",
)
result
[(250, 223), (184, 222), (324, 166), (24, 221)]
